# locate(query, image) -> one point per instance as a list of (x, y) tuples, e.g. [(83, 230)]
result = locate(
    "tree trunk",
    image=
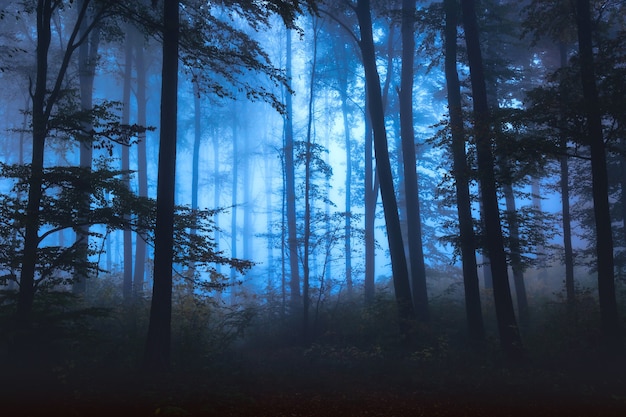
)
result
[(414, 222), (234, 202), (158, 349), (127, 280), (142, 162), (507, 325), (371, 197), (343, 94), (383, 166), (43, 100), (516, 256), (87, 59), (473, 310), (604, 236), (292, 238), (40, 118)]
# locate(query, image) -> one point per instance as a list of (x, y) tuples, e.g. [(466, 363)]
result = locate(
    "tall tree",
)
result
[(510, 339), (610, 322), (44, 99), (411, 188), (383, 166), (127, 276), (158, 349), (290, 192), (142, 160), (461, 174)]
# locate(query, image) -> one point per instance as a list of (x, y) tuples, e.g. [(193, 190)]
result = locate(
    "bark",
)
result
[(234, 201), (516, 257), (383, 166), (43, 100), (87, 59), (371, 197), (158, 349), (411, 188), (610, 322), (476, 329), (343, 94), (507, 324), (127, 279), (292, 239), (307, 199), (142, 162)]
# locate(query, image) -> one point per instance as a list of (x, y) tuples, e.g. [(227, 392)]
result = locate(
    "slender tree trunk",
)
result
[(610, 322), (516, 256), (142, 162), (507, 324), (127, 280), (87, 60), (307, 192), (292, 239), (383, 167), (343, 93), (411, 188), (43, 100), (371, 197), (158, 349), (195, 158), (217, 190), (473, 310), (234, 211), (39, 123)]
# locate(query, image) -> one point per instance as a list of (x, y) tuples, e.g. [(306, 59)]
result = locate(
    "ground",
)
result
[(325, 381)]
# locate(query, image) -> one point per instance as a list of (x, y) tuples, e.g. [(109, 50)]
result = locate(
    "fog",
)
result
[(305, 261)]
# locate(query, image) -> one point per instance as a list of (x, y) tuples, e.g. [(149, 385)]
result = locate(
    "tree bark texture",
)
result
[(467, 237), (507, 324), (383, 166), (292, 238), (411, 187), (604, 236), (158, 349)]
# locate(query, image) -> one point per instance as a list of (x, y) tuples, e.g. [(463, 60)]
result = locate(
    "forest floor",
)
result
[(325, 381)]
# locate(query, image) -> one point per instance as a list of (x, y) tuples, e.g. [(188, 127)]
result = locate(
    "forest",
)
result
[(313, 207)]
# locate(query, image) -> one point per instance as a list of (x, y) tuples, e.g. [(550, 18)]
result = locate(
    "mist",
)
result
[(312, 208)]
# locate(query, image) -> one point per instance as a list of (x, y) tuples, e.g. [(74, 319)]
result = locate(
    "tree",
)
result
[(45, 99), (383, 166), (87, 61), (157, 352), (290, 193), (416, 252), (604, 236), (507, 325), (461, 175)]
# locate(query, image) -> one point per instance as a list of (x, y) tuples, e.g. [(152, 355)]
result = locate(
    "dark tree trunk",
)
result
[(307, 197), (516, 256), (127, 280), (43, 100), (411, 188), (157, 353), (142, 163), (39, 123), (371, 197), (604, 237), (292, 238), (383, 166), (87, 60), (473, 310), (507, 325)]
